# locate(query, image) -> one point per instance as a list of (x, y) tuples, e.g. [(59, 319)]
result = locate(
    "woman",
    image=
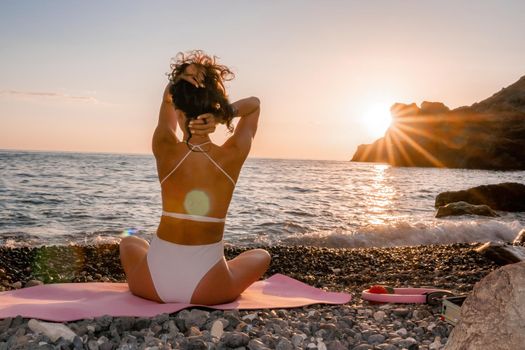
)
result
[(185, 262)]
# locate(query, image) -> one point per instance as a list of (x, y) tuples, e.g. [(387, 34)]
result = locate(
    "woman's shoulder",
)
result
[(231, 156)]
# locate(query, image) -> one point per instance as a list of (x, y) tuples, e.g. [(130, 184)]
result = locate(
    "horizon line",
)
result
[(146, 154)]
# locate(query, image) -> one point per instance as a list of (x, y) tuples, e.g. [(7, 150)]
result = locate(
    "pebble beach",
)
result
[(357, 325)]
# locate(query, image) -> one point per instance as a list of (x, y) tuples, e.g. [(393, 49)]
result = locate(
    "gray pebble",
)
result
[(402, 332), (379, 316), (141, 323), (77, 343), (160, 319), (255, 344), (196, 317), (365, 334), (194, 343), (385, 346), (269, 340), (419, 331), (32, 283), (92, 345), (401, 312), (376, 339), (297, 340), (363, 347), (284, 344), (106, 346), (335, 345), (407, 343), (421, 314), (235, 339)]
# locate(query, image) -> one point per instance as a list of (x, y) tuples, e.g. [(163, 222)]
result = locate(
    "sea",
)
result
[(56, 198)]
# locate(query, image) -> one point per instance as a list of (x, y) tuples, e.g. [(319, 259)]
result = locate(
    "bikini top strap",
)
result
[(211, 159), (176, 166), (192, 148), (219, 167)]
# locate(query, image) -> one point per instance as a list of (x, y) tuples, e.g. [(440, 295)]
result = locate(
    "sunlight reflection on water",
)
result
[(381, 196)]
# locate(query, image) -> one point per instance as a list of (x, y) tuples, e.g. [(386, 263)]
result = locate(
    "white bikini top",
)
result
[(189, 216)]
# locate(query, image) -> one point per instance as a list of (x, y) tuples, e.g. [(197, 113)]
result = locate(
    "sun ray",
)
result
[(414, 130), (401, 147), (436, 162)]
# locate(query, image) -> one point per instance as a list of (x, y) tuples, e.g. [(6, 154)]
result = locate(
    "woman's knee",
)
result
[(131, 250), (260, 259), (132, 241), (263, 255)]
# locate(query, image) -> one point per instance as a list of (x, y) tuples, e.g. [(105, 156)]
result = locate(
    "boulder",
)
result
[(464, 208), (508, 196), (489, 134), (501, 253), (493, 315)]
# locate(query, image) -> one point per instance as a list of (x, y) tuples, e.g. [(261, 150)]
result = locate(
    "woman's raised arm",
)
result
[(248, 109), (168, 118)]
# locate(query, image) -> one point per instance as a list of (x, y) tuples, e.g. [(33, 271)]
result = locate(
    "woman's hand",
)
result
[(204, 124), (193, 74)]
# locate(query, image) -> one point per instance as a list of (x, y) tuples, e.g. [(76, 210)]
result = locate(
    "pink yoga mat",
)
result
[(75, 301)]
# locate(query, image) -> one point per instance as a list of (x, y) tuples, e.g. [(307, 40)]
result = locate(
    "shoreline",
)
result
[(356, 325)]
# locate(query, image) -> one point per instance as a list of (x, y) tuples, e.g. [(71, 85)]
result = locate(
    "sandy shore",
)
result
[(357, 325)]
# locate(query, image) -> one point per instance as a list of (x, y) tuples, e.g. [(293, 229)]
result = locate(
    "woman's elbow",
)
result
[(255, 101)]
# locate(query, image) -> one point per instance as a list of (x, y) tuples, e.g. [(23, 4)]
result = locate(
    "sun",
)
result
[(376, 118)]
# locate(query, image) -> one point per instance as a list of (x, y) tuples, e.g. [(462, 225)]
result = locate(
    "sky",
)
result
[(89, 76)]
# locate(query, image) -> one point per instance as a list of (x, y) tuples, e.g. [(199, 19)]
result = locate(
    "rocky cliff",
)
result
[(487, 135)]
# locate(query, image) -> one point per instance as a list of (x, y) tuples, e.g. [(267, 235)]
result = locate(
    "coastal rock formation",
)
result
[(493, 315), (464, 208), (486, 135), (501, 253), (508, 196)]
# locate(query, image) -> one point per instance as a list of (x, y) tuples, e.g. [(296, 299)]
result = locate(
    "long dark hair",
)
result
[(212, 98)]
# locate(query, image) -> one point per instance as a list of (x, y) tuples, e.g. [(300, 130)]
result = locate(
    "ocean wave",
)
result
[(403, 233), (299, 212), (299, 189), (279, 228)]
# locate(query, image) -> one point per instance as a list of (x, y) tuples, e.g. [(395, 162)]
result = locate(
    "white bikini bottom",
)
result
[(177, 269)]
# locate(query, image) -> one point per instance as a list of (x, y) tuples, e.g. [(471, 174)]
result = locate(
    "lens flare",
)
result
[(54, 264), (128, 232), (197, 203)]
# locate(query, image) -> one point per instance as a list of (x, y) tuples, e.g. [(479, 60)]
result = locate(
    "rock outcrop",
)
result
[(493, 315), (508, 196), (464, 208), (502, 253), (487, 135)]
